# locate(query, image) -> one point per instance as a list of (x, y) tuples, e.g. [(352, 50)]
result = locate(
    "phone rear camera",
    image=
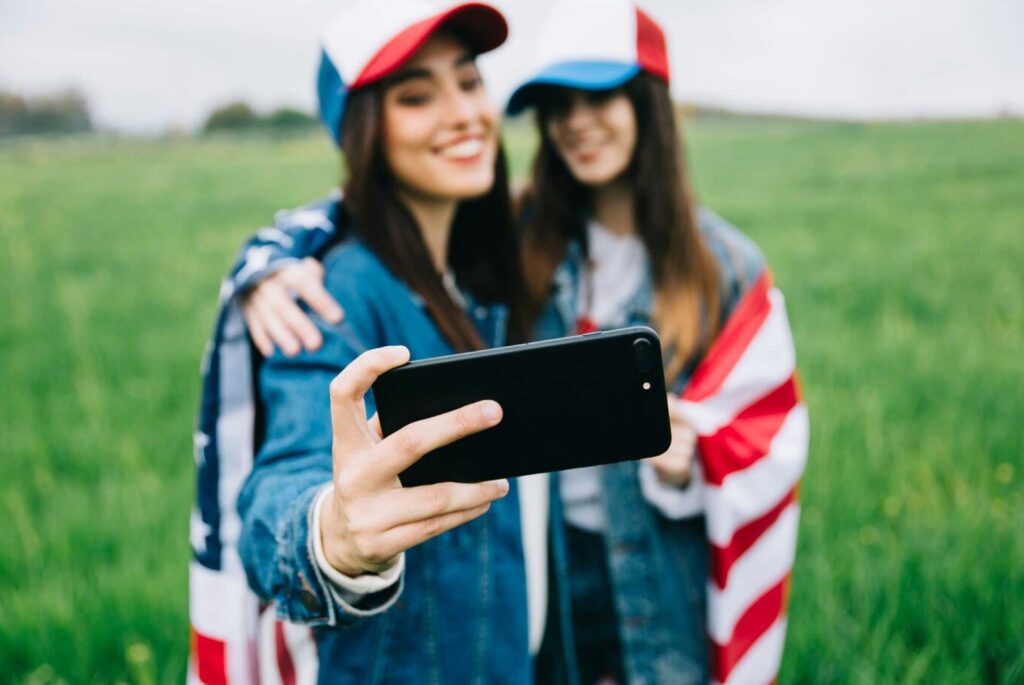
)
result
[(644, 353)]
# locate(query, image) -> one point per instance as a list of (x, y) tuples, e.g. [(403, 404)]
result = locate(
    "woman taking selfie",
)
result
[(611, 237), (429, 267)]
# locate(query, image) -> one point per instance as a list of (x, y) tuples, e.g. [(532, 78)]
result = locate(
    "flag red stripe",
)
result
[(748, 437), (755, 621), (211, 664), (285, 666), (723, 558), (741, 328)]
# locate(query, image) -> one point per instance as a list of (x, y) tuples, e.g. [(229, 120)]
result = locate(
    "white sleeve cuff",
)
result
[(353, 588), (672, 501)]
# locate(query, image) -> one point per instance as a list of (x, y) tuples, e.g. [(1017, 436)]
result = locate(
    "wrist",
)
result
[(334, 553)]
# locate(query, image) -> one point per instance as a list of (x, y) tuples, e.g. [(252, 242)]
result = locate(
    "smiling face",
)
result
[(440, 129), (594, 132)]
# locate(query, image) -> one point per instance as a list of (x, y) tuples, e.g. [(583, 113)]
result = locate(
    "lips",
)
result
[(585, 151)]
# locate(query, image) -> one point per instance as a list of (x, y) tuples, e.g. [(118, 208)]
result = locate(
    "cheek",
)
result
[(406, 143), (623, 122), (556, 134)]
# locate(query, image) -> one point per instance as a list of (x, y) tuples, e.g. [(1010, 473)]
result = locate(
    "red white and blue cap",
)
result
[(370, 39), (593, 45)]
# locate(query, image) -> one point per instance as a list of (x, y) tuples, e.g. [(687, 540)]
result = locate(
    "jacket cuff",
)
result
[(309, 596)]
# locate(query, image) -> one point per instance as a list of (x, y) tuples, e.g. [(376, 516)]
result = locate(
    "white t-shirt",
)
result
[(616, 268)]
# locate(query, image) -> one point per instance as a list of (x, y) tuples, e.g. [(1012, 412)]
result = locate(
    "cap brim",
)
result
[(585, 75), (483, 27)]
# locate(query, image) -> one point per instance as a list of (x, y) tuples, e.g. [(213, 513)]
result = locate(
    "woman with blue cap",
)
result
[(611, 236)]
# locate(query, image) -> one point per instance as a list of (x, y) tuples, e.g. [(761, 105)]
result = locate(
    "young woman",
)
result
[(611, 237), (429, 266)]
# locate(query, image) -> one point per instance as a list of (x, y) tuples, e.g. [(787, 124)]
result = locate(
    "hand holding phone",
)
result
[(369, 518)]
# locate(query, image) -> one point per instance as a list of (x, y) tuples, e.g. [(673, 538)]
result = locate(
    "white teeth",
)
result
[(467, 148)]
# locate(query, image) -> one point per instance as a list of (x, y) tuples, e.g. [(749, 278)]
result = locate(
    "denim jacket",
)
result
[(657, 566), (461, 615)]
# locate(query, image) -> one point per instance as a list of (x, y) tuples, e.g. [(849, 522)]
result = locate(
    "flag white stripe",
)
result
[(759, 569), (270, 673), (760, 664), (765, 364), (234, 431), (748, 494), (220, 604), (302, 648)]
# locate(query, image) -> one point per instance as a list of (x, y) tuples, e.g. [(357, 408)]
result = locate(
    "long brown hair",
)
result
[(482, 249), (686, 276)]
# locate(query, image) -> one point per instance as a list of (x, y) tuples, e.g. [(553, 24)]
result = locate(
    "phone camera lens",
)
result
[(644, 353)]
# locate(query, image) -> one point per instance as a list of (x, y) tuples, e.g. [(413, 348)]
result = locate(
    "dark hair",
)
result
[(686, 279), (483, 250)]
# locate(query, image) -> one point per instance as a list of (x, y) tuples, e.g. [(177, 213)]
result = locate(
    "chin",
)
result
[(465, 183), (593, 177)]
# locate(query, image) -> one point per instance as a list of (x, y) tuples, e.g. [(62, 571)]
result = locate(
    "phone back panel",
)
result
[(567, 403)]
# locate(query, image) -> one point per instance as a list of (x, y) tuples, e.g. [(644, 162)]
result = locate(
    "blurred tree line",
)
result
[(68, 112), (239, 116), (63, 112)]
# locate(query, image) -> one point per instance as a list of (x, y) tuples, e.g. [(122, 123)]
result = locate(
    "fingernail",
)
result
[(502, 486), (491, 411), (399, 352), (334, 316)]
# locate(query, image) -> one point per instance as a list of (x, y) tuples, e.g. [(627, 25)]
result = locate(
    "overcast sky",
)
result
[(147, 65)]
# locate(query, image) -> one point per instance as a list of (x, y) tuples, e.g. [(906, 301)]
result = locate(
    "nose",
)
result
[(579, 113), (461, 108)]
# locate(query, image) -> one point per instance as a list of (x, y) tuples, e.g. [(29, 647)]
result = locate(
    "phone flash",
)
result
[(647, 385)]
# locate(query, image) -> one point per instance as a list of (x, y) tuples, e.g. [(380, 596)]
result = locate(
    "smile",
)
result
[(469, 148)]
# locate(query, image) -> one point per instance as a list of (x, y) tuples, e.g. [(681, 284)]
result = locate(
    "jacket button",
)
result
[(309, 600)]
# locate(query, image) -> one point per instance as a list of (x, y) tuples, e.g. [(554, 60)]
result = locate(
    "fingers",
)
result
[(409, 505), (272, 322), (675, 410), (348, 411), (403, 448), (675, 466), (409, 535), (257, 332), (375, 426), (277, 304), (308, 284)]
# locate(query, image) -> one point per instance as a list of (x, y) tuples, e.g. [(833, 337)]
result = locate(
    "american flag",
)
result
[(744, 403), (235, 639)]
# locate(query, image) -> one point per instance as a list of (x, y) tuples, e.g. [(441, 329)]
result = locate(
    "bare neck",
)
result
[(434, 218), (613, 207)]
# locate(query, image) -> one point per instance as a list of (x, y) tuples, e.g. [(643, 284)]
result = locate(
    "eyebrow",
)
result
[(419, 72)]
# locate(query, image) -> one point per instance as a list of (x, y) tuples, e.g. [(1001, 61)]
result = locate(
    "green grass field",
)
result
[(900, 249)]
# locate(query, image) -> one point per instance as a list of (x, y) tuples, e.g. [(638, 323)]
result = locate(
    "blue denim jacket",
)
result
[(461, 616)]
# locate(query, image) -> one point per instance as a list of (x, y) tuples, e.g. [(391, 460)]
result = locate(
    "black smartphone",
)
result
[(578, 401)]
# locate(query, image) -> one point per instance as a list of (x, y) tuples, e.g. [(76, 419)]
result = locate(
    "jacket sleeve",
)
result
[(276, 504), (295, 235)]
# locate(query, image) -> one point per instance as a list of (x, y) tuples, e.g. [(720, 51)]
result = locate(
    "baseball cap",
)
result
[(593, 45), (370, 39)]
